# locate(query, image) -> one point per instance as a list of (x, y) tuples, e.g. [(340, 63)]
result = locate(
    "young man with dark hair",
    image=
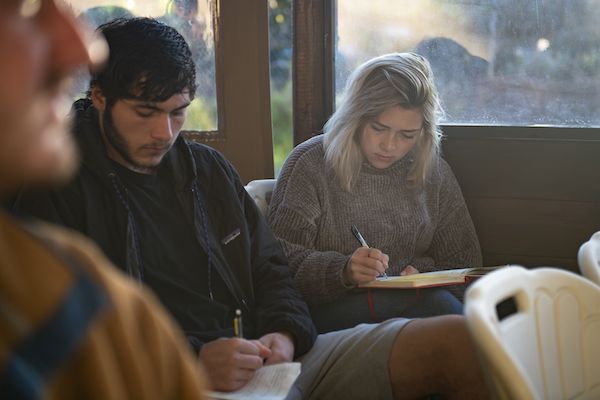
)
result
[(71, 326), (176, 217)]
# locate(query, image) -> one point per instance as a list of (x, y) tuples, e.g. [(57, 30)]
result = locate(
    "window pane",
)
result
[(280, 50), (496, 62), (191, 18)]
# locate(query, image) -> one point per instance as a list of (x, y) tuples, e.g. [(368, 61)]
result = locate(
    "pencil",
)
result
[(237, 324)]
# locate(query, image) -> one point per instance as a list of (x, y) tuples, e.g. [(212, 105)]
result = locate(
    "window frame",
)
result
[(244, 134), (221, 133), (530, 190), (314, 85)]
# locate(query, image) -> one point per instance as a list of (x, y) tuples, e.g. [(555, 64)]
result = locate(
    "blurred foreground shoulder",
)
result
[(81, 326)]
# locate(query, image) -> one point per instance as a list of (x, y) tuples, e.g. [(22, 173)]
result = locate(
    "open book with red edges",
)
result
[(430, 279)]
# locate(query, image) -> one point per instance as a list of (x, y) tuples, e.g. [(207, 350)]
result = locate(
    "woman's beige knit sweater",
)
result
[(311, 216)]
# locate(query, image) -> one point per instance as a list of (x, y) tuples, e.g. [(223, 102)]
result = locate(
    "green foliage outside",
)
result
[(280, 51), (201, 114), (281, 111)]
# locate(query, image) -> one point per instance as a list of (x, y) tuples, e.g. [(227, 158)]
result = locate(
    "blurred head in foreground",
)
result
[(39, 47)]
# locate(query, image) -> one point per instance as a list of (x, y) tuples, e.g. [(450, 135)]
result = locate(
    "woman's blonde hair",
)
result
[(398, 79)]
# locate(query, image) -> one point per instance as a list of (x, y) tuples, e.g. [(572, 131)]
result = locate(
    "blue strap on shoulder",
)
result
[(34, 359), (49, 347)]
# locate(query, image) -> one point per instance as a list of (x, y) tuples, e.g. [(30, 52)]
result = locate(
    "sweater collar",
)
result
[(396, 168)]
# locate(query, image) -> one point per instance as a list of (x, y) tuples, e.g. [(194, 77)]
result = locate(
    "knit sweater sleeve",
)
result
[(294, 215), (454, 243)]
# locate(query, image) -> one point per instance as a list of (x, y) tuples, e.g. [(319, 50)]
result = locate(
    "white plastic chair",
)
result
[(549, 348), (261, 190), (589, 258)]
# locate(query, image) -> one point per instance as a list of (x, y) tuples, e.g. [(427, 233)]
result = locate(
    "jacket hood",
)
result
[(94, 157)]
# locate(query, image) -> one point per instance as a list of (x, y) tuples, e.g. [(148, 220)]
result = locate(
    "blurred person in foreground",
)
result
[(71, 326), (175, 216)]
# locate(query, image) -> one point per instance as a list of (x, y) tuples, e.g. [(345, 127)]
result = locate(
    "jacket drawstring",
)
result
[(135, 236), (195, 190)]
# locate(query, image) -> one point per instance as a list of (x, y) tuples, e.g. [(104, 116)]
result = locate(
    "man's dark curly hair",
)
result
[(148, 61)]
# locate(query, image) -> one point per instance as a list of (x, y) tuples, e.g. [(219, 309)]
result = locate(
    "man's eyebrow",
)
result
[(148, 106), (183, 106), (154, 107)]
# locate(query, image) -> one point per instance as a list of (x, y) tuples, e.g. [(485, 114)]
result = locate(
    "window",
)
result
[(193, 19), (280, 55), (496, 62), (233, 113)]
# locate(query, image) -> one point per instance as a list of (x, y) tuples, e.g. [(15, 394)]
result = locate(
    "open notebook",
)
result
[(272, 382), (430, 279)]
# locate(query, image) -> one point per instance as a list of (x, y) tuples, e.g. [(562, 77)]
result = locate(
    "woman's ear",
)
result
[(98, 99)]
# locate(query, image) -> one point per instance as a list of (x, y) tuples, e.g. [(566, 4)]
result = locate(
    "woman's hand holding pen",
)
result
[(364, 266)]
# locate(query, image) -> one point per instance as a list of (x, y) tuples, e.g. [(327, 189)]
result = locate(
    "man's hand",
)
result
[(364, 266), (231, 363), (281, 345), (409, 270)]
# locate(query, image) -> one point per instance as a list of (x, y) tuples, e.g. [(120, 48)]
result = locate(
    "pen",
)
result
[(363, 242), (237, 324)]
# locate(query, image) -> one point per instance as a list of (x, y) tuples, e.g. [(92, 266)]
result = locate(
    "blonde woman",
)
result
[(377, 166)]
